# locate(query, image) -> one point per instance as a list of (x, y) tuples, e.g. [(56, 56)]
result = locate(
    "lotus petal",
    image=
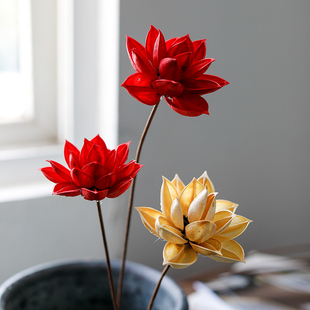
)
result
[(148, 217), (197, 69), (159, 50), (210, 207), (231, 252), (200, 49), (197, 207), (176, 214), (62, 171), (235, 228), (168, 88), (188, 194), (168, 194), (178, 256), (119, 188), (206, 181), (94, 194), (177, 182), (207, 248), (222, 224), (226, 205), (70, 149), (167, 232), (188, 104), (66, 189), (200, 231), (52, 175), (82, 179)]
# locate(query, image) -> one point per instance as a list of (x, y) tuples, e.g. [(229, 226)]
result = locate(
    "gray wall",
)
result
[(255, 142)]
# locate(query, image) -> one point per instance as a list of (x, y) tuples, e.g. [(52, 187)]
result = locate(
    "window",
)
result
[(67, 38)]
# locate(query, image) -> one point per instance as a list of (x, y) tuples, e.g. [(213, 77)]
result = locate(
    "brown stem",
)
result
[(105, 244), (130, 201), (157, 287)]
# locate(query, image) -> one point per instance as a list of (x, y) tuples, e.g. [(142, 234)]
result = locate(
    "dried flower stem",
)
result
[(131, 195), (157, 287), (105, 244)]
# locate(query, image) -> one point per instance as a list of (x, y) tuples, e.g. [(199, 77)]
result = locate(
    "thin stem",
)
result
[(157, 287), (105, 244), (130, 202)]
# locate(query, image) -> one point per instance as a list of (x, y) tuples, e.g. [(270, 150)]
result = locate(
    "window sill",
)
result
[(25, 191)]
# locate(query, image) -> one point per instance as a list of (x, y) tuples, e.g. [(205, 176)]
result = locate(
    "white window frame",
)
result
[(20, 178)]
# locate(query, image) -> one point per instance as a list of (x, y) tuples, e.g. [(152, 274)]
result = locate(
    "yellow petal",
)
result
[(177, 182), (210, 207), (222, 219), (176, 214), (148, 217), (236, 227), (207, 248), (167, 196), (200, 231), (167, 232), (206, 182), (179, 256), (188, 194), (197, 207), (226, 205), (231, 251)]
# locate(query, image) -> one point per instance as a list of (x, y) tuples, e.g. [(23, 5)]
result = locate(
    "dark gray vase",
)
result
[(84, 285)]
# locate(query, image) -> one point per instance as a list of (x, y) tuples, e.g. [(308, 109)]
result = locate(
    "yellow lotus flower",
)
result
[(192, 221)]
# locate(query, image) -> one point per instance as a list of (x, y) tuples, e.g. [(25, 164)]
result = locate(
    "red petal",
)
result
[(122, 153), (98, 140), (119, 188), (110, 161), (82, 179), (201, 86), (73, 161), (214, 78), (139, 86), (188, 104), (142, 65), (168, 88), (50, 174), (93, 194), (180, 46), (133, 44), (159, 49), (66, 189), (95, 170), (85, 151), (106, 181), (200, 49), (170, 69), (95, 154), (68, 149), (125, 171), (150, 41), (62, 171), (170, 42), (184, 60), (197, 69)]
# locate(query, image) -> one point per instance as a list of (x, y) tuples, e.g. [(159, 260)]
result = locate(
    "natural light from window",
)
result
[(16, 83)]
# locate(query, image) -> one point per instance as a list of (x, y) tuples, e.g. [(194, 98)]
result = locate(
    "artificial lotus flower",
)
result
[(192, 221), (174, 69), (95, 172)]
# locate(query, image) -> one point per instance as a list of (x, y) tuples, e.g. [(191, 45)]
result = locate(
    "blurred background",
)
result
[(254, 144)]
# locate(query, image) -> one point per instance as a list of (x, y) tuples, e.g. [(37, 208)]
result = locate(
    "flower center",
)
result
[(169, 69)]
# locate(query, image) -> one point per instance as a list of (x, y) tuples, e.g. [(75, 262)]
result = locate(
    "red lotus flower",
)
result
[(96, 172), (173, 69)]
